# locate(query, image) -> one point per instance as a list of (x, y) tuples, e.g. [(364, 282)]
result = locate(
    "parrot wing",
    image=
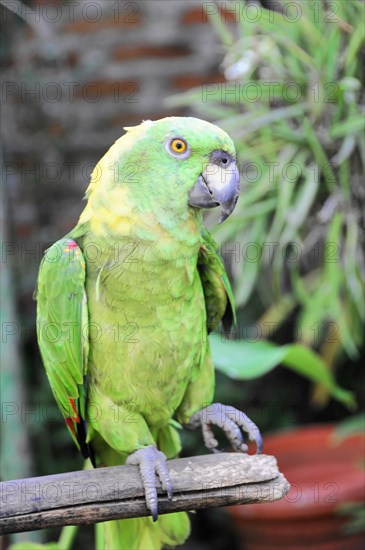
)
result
[(219, 300), (63, 332)]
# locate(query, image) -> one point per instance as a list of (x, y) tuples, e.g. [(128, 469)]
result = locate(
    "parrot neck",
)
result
[(120, 221), (136, 255), (157, 245)]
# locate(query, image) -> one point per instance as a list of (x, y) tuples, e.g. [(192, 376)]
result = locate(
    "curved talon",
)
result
[(163, 474), (230, 420), (250, 427), (152, 462), (217, 451), (259, 443)]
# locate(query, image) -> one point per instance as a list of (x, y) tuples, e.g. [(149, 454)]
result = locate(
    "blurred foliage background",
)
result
[(290, 94), (295, 111)]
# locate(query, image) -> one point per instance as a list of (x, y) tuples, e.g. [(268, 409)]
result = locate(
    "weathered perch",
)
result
[(91, 496)]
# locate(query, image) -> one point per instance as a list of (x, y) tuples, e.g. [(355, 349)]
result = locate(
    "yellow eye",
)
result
[(178, 145)]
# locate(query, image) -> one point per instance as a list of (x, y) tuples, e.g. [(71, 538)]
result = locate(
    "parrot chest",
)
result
[(149, 321)]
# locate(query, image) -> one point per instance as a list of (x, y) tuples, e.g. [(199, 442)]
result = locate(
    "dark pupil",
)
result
[(179, 145)]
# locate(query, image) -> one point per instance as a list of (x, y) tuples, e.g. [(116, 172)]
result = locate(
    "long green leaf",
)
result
[(348, 126), (245, 360)]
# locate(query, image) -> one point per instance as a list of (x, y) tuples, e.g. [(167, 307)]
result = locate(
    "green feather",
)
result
[(138, 290), (61, 318)]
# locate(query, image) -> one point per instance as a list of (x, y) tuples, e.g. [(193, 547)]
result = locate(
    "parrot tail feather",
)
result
[(143, 533)]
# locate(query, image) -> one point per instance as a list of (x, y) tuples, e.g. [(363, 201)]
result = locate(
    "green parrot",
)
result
[(125, 303)]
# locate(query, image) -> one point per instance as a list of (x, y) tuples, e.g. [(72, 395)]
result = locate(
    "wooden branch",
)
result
[(91, 496)]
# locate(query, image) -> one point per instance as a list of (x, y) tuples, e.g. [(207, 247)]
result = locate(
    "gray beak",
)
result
[(218, 185)]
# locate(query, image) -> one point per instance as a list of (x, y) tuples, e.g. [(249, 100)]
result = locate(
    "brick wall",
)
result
[(73, 76)]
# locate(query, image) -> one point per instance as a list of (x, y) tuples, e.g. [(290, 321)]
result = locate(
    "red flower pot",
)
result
[(323, 475)]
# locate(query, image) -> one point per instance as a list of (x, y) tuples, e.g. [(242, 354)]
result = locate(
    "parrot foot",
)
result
[(151, 461), (230, 420)]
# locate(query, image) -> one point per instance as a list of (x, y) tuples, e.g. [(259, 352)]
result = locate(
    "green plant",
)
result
[(292, 103), (247, 360)]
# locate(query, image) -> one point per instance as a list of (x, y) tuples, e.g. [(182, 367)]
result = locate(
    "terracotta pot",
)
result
[(322, 475)]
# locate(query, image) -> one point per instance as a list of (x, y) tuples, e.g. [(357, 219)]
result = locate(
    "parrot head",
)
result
[(201, 160), (174, 165)]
